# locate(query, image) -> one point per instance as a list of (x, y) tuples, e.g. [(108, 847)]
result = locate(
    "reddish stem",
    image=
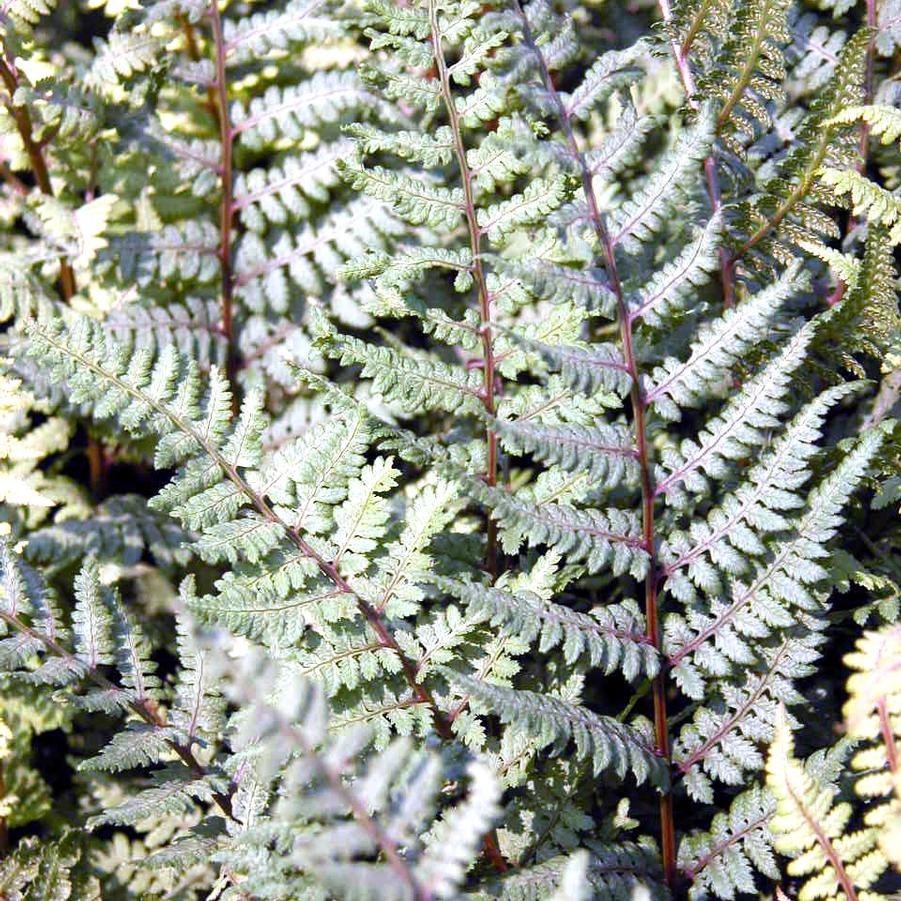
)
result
[(97, 468), (226, 206), (490, 844), (211, 102), (888, 737), (36, 158), (680, 56), (639, 409), (478, 272)]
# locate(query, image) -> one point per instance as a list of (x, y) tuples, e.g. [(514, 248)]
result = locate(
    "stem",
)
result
[(826, 845), (475, 237), (639, 409), (42, 178), (680, 56), (868, 81), (36, 158), (193, 49), (888, 737), (798, 192), (226, 208), (96, 468), (490, 843), (145, 709)]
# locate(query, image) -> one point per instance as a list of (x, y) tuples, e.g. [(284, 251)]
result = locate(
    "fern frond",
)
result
[(609, 73), (786, 210), (594, 537), (720, 742), (538, 201), (845, 266), (606, 743), (736, 529), (267, 270), (26, 13), (620, 149), (718, 346), (92, 619), (121, 529), (198, 708), (617, 871), (670, 288), (884, 121), (865, 321), (612, 637), (724, 859), (139, 745), (120, 57), (284, 193), (867, 199), (748, 72), (588, 370), (366, 813), (605, 453), (192, 326), (788, 577), (872, 716), (258, 35), (810, 828), (414, 199), (455, 839), (173, 797), (642, 215), (738, 428), (416, 382), (218, 479), (398, 320), (323, 99)]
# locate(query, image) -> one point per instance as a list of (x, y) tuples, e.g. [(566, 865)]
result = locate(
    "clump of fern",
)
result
[(443, 446)]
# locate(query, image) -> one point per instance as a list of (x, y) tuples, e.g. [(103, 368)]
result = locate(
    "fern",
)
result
[(380, 809), (723, 860), (871, 717), (437, 441), (809, 827)]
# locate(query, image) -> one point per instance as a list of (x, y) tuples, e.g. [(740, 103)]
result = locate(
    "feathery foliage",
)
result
[(444, 446)]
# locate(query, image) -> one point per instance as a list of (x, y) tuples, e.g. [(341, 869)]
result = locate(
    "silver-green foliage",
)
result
[(493, 412)]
